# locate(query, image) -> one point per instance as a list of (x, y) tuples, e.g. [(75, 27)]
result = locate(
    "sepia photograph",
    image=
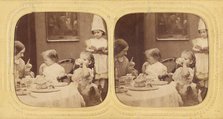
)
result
[(161, 59), (60, 59)]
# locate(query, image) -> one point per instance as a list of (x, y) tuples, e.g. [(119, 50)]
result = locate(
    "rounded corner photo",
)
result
[(161, 60), (61, 59)]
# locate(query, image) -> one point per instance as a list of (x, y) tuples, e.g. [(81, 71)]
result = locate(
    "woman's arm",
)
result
[(28, 68), (131, 68)]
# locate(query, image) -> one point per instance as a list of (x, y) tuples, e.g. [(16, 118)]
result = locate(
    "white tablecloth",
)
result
[(165, 96), (68, 96)]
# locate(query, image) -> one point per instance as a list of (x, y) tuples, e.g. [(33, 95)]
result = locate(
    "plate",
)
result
[(158, 83), (61, 84), (121, 90), (22, 92), (45, 90), (142, 88)]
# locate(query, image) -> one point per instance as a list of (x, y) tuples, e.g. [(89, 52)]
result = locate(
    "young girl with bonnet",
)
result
[(200, 48), (98, 46)]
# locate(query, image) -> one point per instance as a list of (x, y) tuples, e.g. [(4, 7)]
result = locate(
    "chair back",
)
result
[(170, 64), (67, 64)]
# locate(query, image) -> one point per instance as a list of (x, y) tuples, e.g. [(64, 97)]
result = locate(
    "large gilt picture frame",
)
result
[(62, 26), (172, 26)]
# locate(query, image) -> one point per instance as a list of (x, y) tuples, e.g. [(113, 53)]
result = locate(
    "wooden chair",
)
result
[(68, 65), (171, 66)]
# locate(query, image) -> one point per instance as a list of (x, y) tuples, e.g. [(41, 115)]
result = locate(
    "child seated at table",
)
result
[(85, 63), (185, 72), (86, 60), (50, 69), (183, 77), (83, 76), (152, 67)]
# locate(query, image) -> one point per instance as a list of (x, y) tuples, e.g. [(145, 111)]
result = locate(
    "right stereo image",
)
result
[(161, 59)]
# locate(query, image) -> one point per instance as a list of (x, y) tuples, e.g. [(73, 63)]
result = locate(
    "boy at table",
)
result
[(152, 67)]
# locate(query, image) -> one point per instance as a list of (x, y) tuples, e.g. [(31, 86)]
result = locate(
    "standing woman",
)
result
[(21, 69)]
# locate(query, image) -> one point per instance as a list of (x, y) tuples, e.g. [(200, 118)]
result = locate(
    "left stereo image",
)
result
[(60, 59)]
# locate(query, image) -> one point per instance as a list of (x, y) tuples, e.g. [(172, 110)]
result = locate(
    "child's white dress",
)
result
[(155, 70), (101, 60), (183, 78), (53, 71), (201, 58)]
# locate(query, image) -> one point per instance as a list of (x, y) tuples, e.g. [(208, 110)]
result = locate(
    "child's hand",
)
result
[(105, 50), (205, 49), (180, 61), (78, 62), (93, 48), (101, 48), (197, 47)]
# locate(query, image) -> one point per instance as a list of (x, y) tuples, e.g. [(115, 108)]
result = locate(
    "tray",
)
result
[(142, 88), (61, 84), (45, 90), (158, 83), (121, 90)]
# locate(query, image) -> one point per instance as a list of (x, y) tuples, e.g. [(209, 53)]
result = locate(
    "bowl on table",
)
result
[(121, 89), (126, 80)]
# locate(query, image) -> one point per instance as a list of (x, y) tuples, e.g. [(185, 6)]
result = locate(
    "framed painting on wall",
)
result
[(62, 26), (172, 26)]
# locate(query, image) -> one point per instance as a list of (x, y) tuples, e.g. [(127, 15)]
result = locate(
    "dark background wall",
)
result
[(131, 28), (139, 30)]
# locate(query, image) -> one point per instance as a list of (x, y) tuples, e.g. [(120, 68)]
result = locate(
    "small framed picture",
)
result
[(62, 26), (172, 26)]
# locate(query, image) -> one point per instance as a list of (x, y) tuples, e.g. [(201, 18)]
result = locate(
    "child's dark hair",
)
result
[(154, 52), (18, 47), (90, 58), (92, 61), (193, 58), (52, 54)]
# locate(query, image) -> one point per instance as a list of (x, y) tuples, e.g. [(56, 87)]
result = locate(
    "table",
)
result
[(68, 96), (165, 96)]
